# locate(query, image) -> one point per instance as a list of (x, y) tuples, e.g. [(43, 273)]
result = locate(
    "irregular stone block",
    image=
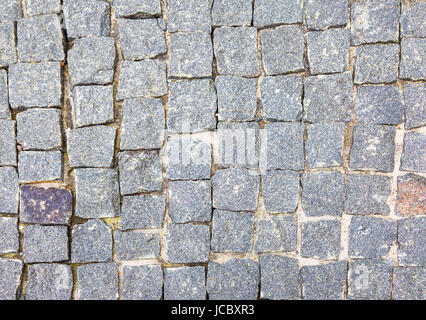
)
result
[(274, 12), (9, 190), (411, 195), (9, 241), (414, 154), (232, 13), (135, 8), (415, 105), (189, 15), (413, 54), (7, 143), (49, 282), (321, 240), (135, 245), (97, 281), (10, 10), (4, 94), (10, 276), (142, 212), (7, 44), (37, 166), (280, 191), (276, 233), (411, 239), (326, 13), (39, 7), (413, 19), (142, 282), (409, 283), (185, 283)]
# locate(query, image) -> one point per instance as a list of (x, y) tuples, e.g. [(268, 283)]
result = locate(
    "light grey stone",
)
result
[(37, 166), (189, 15), (96, 192), (49, 282), (280, 191), (9, 241), (413, 19), (9, 189), (274, 12), (409, 283), (276, 234), (39, 7), (185, 283), (326, 13), (10, 278), (143, 282), (4, 95), (415, 105), (136, 245), (411, 239), (7, 43), (321, 240), (7, 143), (413, 54), (10, 10), (136, 8), (142, 212), (232, 13), (414, 154), (97, 281)]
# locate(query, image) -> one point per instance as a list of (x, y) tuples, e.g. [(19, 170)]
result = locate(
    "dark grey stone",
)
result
[(9, 190), (275, 12), (142, 212), (37, 166), (415, 105), (143, 282), (4, 94), (7, 43), (411, 239), (10, 10), (414, 154), (276, 234), (321, 240), (9, 241), (185, 283), (10, 277), (280, 191), (7, 143), (97, 281), (135, 8), (326, 13), (189, 15), (409, 283), (413, 54), (49, 282), (39, 7), (232, 13), (136, 245), (413, 19)]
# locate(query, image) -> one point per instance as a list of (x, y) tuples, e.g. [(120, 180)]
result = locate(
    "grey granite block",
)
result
[(135, 8), (413, 54), (7, 43), (98, 281), (9, 241), (37, 166), (185, 283), (49, 282), (9, 190), (409, 283), (189, 15), (7, 143), (275, 12), (276, 234), (321, 240), (144, 282), (39, 7), (4, 95), (415, 105), (411, 239), (232, 13), (136, 245), (10, 278), (413, 19), (413, 156), (10, 10), (326, 13), (280, 191), (142, 212)]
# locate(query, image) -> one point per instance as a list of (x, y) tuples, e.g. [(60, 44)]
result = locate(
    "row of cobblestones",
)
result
[(93, 205)]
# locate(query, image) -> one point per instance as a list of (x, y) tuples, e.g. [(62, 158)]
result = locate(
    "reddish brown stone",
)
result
[(411, 199), (45, 205)]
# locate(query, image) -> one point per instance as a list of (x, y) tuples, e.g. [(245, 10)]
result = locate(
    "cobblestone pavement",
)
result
[(97, 201)]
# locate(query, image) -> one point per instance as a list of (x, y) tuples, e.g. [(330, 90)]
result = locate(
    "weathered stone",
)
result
[(236, 51), (236, 279), (414, 154), (45, 205), (7, 44), (146, 78), (371, 237), (413, 54), (282, 50), (36, 166), (142, 282), (4, 94), (189, 15), (39, 7), (280, 191), (187, 243), (415, 105), (328, 98), (7, 143), (232, 13), (10, 10), (326, 13), (9, 241), (91, 61), (409, 283), (376, 63), (10, 276), (282, 98), (411, 239), (185, 283), (279, 278), (370, 279), (35, 85), (413, 19), (135, 8), (275, 234), (49, 282), (39, 129), (411, 196), (45, 243), (373, 148), (96, 192), (321, 240), (9, 189), (368, 194), (140, 171), (136, 245), (274, 12), (98, 281), (142, 212)]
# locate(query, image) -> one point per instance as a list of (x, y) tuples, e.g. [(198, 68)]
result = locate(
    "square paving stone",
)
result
[(7, 143), (282, 50), (328, 51), (189, 15), (142, 124), (279, 278), (35, 85), (326, 13), (98, 281), (146, 78), (135, 8), (136, 245), (39, 7), (39, 129), (324, 282), (328, 98), (232, 231), (411, 240), (282, 98), (379, 105), (376, 63), (86, 18), (9, 241), (142, 212), (9, 188), (191, 55), (91, 242), (45, 243), (274, 12), (411, 195), (236, 97), (236, 279), (413, 54), (413, 19), (321, 240), (324, 144), (93, 105), (10, 277), (38, 166), (415, 105), (276, 234), (140, 171), (236, 51), (368, 194), (187, 243), (280, 191), (284, 145), (235, 189), (373, 148), (409, 283), (49, 282), (190, 201), (185, 283), (45, 205), (192, 106), (188, 159), (91, 146), (369, 279), (91, 61), (40, 39), (143, 282), (96, 192), (10, 10), (141, 39), (414, 154), (232, 13), (7, 43), (375, 21), (371, 237), (4, 95)]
